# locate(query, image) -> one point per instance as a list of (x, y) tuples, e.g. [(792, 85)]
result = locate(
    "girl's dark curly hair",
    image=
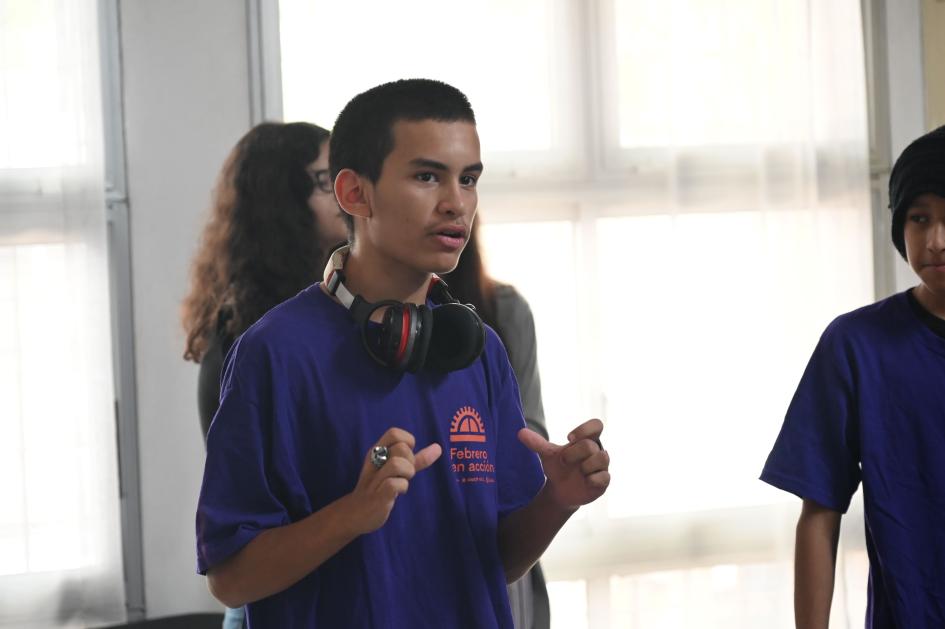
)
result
[(260, 245)]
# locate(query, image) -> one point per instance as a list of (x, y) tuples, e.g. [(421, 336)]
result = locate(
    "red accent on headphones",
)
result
[(404, 333), (447, 337)]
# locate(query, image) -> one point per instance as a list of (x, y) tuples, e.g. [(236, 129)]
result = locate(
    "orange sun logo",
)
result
[(467, 426)]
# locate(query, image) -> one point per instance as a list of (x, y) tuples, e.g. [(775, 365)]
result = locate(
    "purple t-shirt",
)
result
[(301, 404), (871, 407)]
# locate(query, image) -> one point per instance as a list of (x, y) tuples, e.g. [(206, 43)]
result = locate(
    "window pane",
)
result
[(709, 325), (515, 87), (729, 596), (722, 597), (729, 71), (514, 251), (12, 512), (43, 510), (568, 604), (39, 75)]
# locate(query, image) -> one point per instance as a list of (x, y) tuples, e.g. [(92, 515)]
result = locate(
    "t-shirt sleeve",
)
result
[(816, 454), (518, 471), (236, 500)]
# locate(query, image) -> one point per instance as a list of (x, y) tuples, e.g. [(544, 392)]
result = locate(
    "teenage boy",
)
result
[(304, 513), (870, 408)]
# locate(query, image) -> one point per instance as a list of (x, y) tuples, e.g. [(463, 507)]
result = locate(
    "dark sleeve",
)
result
[(208, 384), (211, 369), (518, 331), (519, 472), (238, 499), (816, 454)]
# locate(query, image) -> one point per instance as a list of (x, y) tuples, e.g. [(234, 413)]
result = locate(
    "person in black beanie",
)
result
[(870, 408), (919, 170)]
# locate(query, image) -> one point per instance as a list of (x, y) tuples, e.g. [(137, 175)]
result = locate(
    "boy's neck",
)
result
[(932, 302), (376, 278)]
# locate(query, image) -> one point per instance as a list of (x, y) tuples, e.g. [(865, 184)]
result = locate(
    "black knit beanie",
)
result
[(919, 170)]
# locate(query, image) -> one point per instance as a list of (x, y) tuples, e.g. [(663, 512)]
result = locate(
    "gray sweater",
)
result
[(517, 328), (528, 597)]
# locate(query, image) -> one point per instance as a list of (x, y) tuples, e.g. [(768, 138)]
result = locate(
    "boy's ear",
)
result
[(353, 193)]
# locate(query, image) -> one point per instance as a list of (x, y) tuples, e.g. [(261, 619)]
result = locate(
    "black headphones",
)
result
[(411, 337)]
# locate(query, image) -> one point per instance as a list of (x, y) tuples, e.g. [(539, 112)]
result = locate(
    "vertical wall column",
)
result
[(186, 97)]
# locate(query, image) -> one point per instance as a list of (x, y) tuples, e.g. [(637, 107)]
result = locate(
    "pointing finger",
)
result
[(427, 456), (536, 443)]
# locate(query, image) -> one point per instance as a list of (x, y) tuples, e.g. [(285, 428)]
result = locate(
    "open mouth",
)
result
[(451, 238)]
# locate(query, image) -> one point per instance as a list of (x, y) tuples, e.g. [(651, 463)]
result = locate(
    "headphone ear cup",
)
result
[(392, 331), (460, 337), (421, 331)]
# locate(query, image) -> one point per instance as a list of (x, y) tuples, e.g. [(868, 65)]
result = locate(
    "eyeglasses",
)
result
[(322, 180)]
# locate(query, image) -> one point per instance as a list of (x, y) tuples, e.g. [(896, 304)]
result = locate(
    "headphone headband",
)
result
[(334, 277)]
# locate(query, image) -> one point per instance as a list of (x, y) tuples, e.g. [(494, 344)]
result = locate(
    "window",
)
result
[(519, 98), (680, 191), (37, 45), (60, 547)]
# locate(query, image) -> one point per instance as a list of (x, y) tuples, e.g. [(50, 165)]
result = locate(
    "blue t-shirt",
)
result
[(871, 407), (301, 404)]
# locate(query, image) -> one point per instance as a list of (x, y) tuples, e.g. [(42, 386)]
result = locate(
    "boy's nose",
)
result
[(453, 200), (936, 238)]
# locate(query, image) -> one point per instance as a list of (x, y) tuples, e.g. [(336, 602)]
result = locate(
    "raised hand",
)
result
[(578, 471), (377, 490)]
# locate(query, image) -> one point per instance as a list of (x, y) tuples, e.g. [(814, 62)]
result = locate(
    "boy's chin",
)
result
[(934, 285), (443, 270), (442, 264)]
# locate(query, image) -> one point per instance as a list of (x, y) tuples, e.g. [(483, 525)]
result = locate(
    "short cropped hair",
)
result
[(363, 135)]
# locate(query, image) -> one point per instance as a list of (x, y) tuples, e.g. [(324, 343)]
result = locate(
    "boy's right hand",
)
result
[(377, 489)]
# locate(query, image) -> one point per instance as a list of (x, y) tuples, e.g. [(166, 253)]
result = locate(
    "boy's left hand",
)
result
[(577, 472)]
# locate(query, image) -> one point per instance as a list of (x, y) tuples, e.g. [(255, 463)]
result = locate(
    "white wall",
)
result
[(186, 98)]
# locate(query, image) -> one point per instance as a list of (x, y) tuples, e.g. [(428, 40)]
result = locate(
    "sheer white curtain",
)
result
[(60, 547), (680, 190), (740, 128)]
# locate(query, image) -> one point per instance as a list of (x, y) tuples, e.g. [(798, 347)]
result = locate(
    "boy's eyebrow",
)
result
[(423, 162)]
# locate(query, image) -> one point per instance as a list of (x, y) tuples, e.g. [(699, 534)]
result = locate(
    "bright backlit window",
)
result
[(60, 543), (35, 48), (519, 98), (39, 432), (680, 191), (713, 56)]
